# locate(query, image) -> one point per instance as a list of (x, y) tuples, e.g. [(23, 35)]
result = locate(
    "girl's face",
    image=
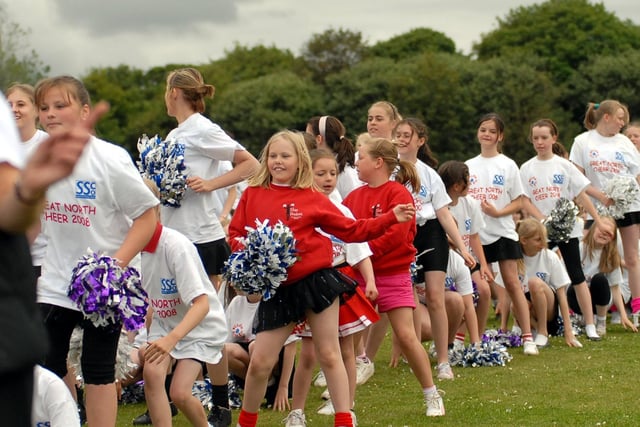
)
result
[(610, 124), (282, 161), (365, 165), (488, 133), (325, 174), (59, 111), (407, 140), (633, 133), (543, 140), (379, 123), (23, 109), (532, 245), (604, 233)]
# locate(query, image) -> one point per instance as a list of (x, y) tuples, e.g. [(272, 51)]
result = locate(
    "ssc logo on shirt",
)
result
[(558, 179), (423, 191), (449, 283), (85, 189), (542, 276), (168, 286), (467, 225), (498, 179), (619, 157)]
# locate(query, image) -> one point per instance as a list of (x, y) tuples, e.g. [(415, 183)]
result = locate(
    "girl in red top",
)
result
[(283, 190), (393, 252)]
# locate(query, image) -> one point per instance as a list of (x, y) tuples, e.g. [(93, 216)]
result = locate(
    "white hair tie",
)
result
[(322, 126)]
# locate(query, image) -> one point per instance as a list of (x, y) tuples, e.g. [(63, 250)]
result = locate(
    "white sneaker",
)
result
[(635, 318), (530, 348), (444, 371), (591, 332), (325, 394), (616, 319), (541, 340), (354, 420), (364, 370), (320, 381), (295, 419), (435, 405), (327, 408)]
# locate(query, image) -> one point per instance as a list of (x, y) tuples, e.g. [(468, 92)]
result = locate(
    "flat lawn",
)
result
[(592, 386)]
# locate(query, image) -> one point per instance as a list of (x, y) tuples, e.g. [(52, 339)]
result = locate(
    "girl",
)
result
[(329, 133), (434, 223), (468, 216), (602, 153), (22, 103), (601, 265), (547, 178), (187, 325), (356, 313), (632, 131), (205, 146), (382, 119), (103, 205), (546, 280), (285, 179), (495, 183), (393, 253)]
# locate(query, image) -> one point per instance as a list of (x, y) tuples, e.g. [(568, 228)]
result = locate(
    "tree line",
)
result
[(547, 60)]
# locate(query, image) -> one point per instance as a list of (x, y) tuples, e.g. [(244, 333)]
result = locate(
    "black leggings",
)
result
[(600, 293)]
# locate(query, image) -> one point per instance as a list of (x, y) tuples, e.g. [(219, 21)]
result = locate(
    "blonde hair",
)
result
[(529, 228), (27, 89), (74, 89), (405, 172), (596, 111), (390, 109), (192, 85), (610, 257), (304, 174)]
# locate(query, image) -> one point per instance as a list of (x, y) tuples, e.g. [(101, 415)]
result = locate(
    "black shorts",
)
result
[(630, 218), (99, 344), (213, 255), (553, 324), (290, 303), (432, 237), (502, 249)]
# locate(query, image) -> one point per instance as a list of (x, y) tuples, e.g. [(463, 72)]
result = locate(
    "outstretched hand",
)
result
[(56, 157), (404, 212)]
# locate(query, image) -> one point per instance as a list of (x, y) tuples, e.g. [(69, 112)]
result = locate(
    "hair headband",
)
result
[(322, 126)]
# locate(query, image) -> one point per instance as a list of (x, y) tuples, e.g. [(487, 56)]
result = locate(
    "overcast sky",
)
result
[(73, 36)]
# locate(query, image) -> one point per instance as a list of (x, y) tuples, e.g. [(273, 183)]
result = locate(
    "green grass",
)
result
[(593, 386)]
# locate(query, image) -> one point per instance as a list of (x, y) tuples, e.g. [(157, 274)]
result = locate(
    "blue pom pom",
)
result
[(163, 163)]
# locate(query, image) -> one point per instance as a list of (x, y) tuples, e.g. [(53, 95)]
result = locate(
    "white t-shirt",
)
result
[(53, 405), (432, 194), (351, 253), (12, 150), (546, 181), (545, 265), (173, 276), (92, 208), (348, 181), (602, 158), (221, 194), (590, 267), (469, 217), (205, 145), (240, 317), (39, 245), (457, 275), (497, 180)]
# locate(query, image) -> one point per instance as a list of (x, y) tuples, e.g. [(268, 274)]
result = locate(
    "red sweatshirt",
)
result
[(302, 210), (393, 252)]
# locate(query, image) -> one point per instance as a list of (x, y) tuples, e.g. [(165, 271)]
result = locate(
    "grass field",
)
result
[(592, 386)]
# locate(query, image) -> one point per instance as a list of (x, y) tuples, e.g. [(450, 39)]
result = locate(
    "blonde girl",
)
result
[(546, 281), (285, 179), (602, 153), (393, 252), (632, 131), (382, 119), (547, 178), (494, 181)]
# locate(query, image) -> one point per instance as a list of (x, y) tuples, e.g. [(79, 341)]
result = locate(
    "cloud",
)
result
[(109, 17)]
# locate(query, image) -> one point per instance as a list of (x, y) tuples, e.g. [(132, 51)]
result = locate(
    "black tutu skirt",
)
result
[(290, 303)]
